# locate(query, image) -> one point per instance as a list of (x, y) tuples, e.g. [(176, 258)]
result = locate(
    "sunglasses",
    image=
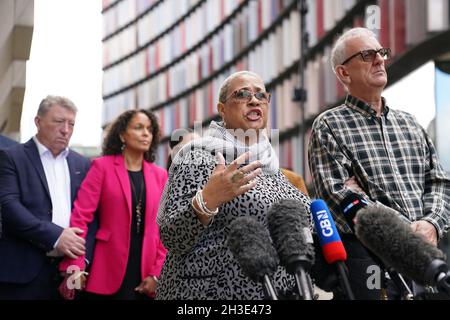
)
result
[(244, 96), (369, 55)]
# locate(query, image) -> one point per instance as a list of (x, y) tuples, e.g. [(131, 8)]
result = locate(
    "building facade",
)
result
[(170, 56), (16, 32)]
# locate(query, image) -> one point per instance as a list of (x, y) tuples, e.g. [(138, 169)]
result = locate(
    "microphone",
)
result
[(330, 241), (289, 228), (392, 239), (250, 243), (350, 206)]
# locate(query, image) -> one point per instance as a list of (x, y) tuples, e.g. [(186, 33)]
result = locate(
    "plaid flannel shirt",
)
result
[(391, 156)]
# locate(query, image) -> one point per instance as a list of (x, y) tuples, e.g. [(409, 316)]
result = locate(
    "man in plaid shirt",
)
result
[(383, 154)]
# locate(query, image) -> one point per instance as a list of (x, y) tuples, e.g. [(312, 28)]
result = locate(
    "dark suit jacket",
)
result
[(6, 142), (28, 231)]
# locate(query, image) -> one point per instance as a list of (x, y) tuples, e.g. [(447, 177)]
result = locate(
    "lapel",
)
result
[(32, 152), (124, 180), (149, 194), (74, 172)]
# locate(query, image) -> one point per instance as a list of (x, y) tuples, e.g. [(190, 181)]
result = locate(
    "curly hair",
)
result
[(112, 143)]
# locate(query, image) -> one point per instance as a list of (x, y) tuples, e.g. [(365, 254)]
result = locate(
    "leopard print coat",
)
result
[(199, 264)]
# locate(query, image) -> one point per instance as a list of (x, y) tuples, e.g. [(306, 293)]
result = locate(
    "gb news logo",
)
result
[(326, 229), (324, 222)]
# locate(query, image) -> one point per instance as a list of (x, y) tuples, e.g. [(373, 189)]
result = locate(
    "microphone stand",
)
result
[(343, 280), (297, 267), (304, 284), (268, 288), (400, 283)]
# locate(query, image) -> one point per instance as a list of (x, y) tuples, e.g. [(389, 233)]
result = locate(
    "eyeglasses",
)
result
[(244, 96), (369, 55)]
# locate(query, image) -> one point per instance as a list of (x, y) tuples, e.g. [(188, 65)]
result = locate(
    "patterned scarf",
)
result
[(219, 139)]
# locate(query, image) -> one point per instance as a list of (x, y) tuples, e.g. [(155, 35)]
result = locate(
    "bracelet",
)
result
[(203, 206), (203, 210), (155, 278), (81, 273)]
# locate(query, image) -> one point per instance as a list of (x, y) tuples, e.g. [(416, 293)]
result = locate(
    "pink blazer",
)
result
[(107, 187)]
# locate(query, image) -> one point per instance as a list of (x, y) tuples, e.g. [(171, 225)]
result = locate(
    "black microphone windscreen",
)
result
[(350, 207), (289, 228), (250, 243), (394, 242)]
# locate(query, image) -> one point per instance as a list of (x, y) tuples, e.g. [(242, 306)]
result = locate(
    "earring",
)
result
[(123, 146)]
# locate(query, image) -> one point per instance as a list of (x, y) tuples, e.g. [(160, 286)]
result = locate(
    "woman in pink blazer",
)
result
[(123, 188)]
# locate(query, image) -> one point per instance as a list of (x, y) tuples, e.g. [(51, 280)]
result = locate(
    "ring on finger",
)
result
[(237, 176)]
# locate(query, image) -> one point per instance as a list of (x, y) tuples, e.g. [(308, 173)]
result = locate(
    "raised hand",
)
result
[(228, 182)]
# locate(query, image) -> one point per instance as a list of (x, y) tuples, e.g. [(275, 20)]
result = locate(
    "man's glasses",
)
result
[(369, 55), (245, 96)]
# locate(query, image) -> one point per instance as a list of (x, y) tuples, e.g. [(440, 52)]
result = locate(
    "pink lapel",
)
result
[(150, 194), (122, 174)]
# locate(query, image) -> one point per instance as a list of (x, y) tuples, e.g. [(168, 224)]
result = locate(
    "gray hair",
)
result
[(339, 52), (49, 101), (223, 92)]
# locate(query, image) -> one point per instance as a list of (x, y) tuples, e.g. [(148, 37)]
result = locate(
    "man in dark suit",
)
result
[(39, 181), (6, 142)]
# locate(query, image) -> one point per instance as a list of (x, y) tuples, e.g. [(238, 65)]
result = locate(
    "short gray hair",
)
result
[(339, 52), (50, 100), (223, 91)]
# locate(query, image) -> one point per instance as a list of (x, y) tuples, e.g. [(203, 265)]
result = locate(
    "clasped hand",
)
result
[(71, 244), (147, 286)]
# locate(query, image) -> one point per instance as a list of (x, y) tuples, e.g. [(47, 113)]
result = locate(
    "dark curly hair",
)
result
[(112, 143)]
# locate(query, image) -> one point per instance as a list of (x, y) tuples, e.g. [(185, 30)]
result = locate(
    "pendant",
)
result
[(138, 216)]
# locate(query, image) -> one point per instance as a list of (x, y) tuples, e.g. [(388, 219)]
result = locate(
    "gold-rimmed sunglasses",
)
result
[(245, 96)]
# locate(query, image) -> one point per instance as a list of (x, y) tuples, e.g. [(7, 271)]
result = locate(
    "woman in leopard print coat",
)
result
[(237, 176)]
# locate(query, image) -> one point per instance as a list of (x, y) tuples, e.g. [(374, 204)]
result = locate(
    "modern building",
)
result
[(16, 31), (170, 56)]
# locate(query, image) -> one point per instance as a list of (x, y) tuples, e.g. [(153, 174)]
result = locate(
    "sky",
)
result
[(66, 59), (415, 94)]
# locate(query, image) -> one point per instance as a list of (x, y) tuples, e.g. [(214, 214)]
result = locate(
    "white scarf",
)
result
[(219, 139)]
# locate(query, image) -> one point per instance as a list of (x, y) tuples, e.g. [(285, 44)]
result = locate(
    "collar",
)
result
[(365, 108), (42, 150)]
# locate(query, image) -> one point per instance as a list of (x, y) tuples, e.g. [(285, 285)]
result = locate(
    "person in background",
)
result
[(123, 187), (232, 171), (296, 180), (6, 142), (383, 154), (179, 138), (39, 181)]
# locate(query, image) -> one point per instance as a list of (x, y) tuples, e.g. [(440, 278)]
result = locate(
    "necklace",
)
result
[(138, 202)]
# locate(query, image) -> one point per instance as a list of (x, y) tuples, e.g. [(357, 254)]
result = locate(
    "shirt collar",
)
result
[(364, 108), (44, 150)]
